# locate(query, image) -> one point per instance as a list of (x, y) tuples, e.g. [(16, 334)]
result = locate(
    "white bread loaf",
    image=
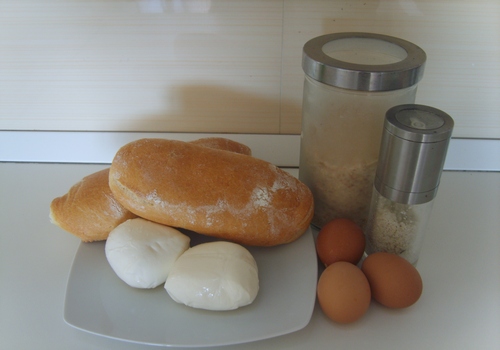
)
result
[(223, 144), (217, 193), (89, 210)]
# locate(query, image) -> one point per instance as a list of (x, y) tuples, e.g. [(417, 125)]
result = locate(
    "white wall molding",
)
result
[(282, 150), (100, 147), (473, 154)]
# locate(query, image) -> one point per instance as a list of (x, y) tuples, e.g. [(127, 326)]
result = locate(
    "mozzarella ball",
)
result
[(142, 252), (214, 276)]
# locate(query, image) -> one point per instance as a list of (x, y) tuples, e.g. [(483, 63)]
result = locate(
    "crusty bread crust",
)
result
[(223, 144), (89, 209), (217, 193)]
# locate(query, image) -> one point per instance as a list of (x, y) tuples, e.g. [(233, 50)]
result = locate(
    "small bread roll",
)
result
[(142, 253), (214, 276), (89, 209), (223, 144), (217, 193)]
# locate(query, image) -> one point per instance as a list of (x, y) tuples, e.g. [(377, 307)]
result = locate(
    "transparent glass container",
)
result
[(397, 228), (411, 159), (351, 80)]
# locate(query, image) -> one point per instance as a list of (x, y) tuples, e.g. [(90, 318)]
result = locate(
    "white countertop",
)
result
[(459, 264)]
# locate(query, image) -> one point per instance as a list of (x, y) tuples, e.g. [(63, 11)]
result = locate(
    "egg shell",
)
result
[(343, 292), (340, 240), (394, 282)]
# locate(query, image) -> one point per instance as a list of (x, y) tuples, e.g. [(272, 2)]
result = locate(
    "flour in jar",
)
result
[(340, 191)]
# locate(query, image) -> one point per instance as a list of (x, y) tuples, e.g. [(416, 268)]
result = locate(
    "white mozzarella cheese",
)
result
[(214, 276), (142, 252)]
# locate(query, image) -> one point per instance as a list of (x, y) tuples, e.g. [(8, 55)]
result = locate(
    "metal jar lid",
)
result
[(412, 153), (363, 61)]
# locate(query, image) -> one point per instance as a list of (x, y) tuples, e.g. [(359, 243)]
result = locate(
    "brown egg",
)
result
[(343, 292), (340, 240), (394, 282)]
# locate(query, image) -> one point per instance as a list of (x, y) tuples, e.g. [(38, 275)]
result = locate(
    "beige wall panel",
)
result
[(225, 66), (148, 65)]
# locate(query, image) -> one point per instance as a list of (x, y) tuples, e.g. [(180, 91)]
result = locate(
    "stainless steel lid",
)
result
[(412, 153), (363, 61)]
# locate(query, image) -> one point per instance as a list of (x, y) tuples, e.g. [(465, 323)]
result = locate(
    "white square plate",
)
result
[(97, 301)]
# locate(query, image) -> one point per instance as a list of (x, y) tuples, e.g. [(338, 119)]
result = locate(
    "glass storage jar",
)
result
[(351, 80)]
